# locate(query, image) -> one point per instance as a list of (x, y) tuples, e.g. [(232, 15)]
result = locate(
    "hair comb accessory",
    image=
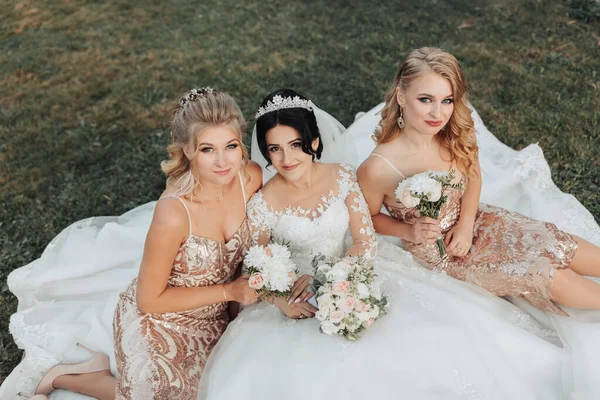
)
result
[(279, 103), (195, 94)]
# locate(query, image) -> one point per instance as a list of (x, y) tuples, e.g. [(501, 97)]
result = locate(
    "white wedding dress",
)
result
[(442, 339)]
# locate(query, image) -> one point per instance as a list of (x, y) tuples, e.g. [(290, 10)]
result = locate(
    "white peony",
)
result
[(425, 185), (279, 252), (255, 257), (279, 280)]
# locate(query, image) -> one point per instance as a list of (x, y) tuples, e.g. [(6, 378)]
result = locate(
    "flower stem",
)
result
[(441, 248)]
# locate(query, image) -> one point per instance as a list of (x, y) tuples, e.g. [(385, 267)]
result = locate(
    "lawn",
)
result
[(87, 90)]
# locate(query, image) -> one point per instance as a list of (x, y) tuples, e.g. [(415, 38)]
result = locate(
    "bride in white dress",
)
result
[(70, 292), (441, 339)]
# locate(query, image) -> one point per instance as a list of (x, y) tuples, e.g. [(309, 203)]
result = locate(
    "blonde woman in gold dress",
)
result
[(427, 125), (171, 316)]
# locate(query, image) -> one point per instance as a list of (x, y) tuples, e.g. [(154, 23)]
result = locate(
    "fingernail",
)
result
[(297, 300), (289, 301)]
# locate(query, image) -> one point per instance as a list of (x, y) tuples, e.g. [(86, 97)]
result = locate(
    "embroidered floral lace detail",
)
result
[(320, 229), (534, 163), (527, 322), (467, 388)]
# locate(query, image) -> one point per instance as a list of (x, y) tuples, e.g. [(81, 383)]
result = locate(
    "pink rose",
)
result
[(362, 306), (347, 304), (336, 317), (340, 287), (408, 200), (256, 281)]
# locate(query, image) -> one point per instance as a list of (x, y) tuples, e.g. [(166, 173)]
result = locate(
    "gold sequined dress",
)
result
[(162, 356), (511, 254)]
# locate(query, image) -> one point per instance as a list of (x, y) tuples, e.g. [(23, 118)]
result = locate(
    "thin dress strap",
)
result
[(389, 163), (243, 189), (188, 213)]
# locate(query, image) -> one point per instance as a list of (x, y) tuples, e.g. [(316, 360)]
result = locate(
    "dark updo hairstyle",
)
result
[(300, 119)]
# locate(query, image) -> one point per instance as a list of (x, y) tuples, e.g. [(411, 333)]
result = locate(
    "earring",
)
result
[(400, 120)]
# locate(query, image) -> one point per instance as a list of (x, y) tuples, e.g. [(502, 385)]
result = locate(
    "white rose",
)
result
[(321, 315), (343, 265), (374, 313), (324, 268), (363, 291), (408, 200), (404, 196), (362, 316), (435, 191), (337, 274), (328, 327), (326, 302)]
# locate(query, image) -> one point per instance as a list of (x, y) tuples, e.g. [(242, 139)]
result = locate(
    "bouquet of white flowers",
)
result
[(349, 299), (271, 270), (424, 192)]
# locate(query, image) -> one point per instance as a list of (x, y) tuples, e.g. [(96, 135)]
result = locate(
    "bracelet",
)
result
[(224, 293)]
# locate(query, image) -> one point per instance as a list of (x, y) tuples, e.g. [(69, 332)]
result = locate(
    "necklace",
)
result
[(218, 198)]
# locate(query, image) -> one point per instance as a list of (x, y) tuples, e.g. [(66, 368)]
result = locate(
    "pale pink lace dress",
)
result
[(161, 356), (511, 254)]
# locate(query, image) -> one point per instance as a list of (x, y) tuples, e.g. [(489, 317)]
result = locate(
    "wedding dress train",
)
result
[(69, 294)]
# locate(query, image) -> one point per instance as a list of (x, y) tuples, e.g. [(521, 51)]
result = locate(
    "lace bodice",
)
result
[(321, 229)]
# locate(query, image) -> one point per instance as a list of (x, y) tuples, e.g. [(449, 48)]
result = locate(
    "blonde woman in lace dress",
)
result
[(426, 125), (171, 316)]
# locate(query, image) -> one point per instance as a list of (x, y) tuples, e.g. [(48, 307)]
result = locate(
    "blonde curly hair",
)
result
[(196, 111), (458, 136)]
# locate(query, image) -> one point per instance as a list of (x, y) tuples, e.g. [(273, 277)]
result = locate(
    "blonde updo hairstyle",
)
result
[(196, 111), (458, 136)]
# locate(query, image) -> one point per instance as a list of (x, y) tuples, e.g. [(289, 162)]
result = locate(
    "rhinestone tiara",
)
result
[(279, 103)]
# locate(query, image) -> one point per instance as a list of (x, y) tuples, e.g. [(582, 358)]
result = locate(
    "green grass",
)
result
[(87, 90)]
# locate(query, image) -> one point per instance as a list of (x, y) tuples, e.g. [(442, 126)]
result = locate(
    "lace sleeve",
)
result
[(364, 242), (259, 219)]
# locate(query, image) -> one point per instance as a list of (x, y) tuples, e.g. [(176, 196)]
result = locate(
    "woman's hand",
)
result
[(459, 239), (425, 230), (302, 290), (295, 310), (240, 291)]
